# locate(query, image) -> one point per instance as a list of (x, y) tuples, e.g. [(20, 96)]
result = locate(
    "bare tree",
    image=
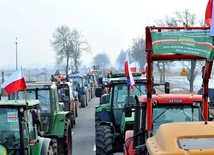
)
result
[(80, 45), (63, 45), (102, 59), (186, 18), (138, 51), (68, 46), (120, 60)]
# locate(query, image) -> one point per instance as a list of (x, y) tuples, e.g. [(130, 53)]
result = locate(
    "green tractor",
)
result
[(93, 83), (19, 129), (55, 123), (110, 120)]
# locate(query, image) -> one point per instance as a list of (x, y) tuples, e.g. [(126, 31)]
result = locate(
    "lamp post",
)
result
[(16, 56)]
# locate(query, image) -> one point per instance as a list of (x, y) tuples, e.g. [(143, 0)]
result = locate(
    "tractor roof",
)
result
[(122, 74), (121, 77), (173, 98), (40, 85), (80, 75), (18, 103), (187, 138)]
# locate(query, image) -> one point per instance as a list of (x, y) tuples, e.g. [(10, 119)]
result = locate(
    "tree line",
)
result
[(70, 45)]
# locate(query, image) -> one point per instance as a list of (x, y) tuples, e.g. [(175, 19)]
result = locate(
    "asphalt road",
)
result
[(84, 130)]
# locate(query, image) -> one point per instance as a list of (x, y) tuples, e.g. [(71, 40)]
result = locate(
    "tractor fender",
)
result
[(59, 123), (45, 146), (3, 150), (109, 124), (128, 142)]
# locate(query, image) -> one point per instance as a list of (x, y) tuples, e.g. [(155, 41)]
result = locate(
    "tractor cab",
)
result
[(115, 95), (81, 85), (19, 129)]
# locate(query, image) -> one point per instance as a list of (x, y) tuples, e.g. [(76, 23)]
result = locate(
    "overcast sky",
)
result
[(108, 25)]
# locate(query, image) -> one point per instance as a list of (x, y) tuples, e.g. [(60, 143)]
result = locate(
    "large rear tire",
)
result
[(54, 146), (92, 92), (50, 150), (104, 140), (68, 138), (76, 108), (83, 100)]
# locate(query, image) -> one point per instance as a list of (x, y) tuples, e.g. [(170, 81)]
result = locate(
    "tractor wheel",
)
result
[(68, 138), (104, 140), (92, 93), (89, 96), (86, 103), (76, 108), (97, 120), (50, 150), (54, 146), (72, 121), (83, 100), (49, 147)]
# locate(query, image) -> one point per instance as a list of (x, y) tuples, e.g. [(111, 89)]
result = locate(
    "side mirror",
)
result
[(35, 116), (98, 92), (100, 81), (167, 87), (128, 111)]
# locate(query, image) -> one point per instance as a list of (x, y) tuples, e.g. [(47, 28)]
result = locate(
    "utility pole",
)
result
[(16, 56)]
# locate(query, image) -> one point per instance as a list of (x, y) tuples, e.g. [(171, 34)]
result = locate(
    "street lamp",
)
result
[(16, 56)]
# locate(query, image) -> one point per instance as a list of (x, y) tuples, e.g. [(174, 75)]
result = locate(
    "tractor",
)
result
[(93, 83), (110, 121), (19, 129), (81, 86), (70, 102), (55, 123), (167, 116)]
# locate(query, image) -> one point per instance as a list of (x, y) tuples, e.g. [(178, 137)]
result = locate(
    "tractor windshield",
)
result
[(120, 98), (43, 97), (176, 113), (121, 94), (9, 128), (77, 82), (63, 93)]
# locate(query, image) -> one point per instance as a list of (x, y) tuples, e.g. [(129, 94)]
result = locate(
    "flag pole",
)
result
[(25, 94), (128, 81)]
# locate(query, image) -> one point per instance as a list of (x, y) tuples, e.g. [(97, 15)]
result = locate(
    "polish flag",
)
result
[(15, 82), (69, 73), (209, 13), (144, 70), (130, 79)]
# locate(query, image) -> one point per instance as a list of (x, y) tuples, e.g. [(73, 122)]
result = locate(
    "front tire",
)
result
[(68, 138), (104, 140), (83, 100)]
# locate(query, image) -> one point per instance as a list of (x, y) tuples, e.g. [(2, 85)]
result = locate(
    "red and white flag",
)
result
[(15, 82), (145, 68), (209, 13), (128, 72), (70, 73)]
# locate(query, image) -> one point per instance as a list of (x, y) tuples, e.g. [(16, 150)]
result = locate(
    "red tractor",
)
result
[(170, 44)]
